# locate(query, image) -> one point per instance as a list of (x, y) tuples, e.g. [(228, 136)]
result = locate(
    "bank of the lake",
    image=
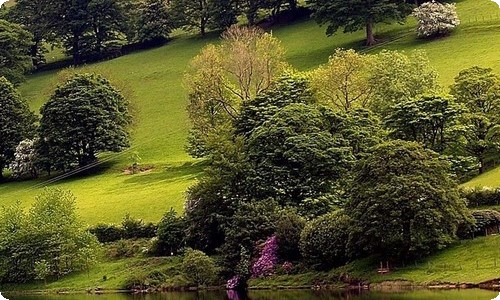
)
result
[(468, 263)]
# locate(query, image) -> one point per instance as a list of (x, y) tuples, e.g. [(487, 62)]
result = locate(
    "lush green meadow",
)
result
[(154, 78)]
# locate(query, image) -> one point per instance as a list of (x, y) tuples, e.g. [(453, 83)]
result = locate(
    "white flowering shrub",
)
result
[(24, 160), (436, 19)]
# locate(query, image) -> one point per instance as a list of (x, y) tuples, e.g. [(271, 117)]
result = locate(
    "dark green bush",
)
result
[(323, 242), (481, 196), (288, 229), (107, 233), (136, 228), (171, 233)]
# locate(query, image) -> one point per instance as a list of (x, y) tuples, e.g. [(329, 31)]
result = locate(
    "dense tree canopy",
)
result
[(16, 122), (479, 90), (84, 116), (403, 202), (353, 15), (15, 43)]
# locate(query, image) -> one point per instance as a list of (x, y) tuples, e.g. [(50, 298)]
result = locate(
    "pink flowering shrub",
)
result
[(234, 283), (266, 264)]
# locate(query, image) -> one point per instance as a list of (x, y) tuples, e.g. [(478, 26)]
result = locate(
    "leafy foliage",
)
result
[(288, 229), (16, 122), (436, 19), (155, 22), (15, 43), (398, 77), (344, 82), (403, 202), (101, 125), (46, 241), (323, 242), (479, 90), (199, 268), (353, 15), (170, 233), (429, 120)]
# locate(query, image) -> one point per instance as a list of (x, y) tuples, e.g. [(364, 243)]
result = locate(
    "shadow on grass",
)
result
[(186, 171)]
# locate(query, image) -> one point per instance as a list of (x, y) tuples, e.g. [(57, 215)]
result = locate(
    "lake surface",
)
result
[(283, 295)]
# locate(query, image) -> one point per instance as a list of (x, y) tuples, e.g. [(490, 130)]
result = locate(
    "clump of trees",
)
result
[(48, 241), (15, 45), (335, 164), (436, 19), (85, 116)]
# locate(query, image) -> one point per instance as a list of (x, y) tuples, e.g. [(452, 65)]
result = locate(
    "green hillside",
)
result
[(161, 124)]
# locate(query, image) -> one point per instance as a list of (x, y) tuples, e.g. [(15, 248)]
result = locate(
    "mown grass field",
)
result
[(154, 78)]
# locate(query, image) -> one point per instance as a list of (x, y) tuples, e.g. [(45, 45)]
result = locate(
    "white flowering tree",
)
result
[(436, 19), (23, 164)]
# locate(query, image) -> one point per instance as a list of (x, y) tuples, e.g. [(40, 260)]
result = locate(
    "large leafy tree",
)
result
[(353, 15), (15, 43), (85, 116), (398, 76), (479, 90), (223, 77), (344, 82), (403, 202), (16, 122), (155, 22), (203, 15), (38, 17)]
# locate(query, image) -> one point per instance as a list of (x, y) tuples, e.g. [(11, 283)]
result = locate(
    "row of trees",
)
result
[(85, 115), (92, 29), (366, 147)]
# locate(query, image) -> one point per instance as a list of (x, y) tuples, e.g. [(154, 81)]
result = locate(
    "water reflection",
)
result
[(281, 295)]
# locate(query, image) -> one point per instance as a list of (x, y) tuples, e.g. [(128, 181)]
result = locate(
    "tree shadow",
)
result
[(170, 174)]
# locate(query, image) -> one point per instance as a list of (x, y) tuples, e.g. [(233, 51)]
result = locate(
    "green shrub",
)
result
[(199, 268), (288, 229), (126, 248), (171, 232), (107, 233), (323, 242), (136, 228), (481, 196)]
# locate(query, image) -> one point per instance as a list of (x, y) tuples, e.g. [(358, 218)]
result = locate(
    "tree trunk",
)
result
[(293, 4), (370, 38), (481, 164)]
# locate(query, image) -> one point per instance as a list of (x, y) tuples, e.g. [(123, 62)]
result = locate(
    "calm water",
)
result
[(283, 295)]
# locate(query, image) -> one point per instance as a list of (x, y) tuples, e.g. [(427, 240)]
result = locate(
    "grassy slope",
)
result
[(455, 264), (116, 273), (155, 78)]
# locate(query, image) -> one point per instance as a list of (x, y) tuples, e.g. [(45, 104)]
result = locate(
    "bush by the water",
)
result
[(199, 268), (323, 241)]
